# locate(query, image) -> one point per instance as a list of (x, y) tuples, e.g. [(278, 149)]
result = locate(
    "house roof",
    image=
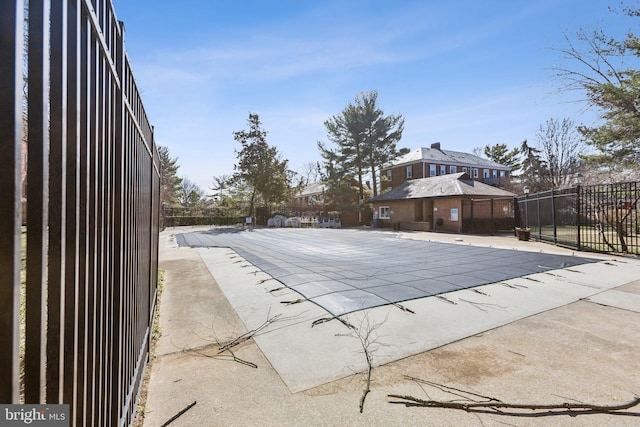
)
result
[(317, 188), (311, 190), (453, 185), (435, 154)]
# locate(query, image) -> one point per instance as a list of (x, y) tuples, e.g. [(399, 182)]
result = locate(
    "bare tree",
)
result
[(189, 194), (310, 172), (560, 148)]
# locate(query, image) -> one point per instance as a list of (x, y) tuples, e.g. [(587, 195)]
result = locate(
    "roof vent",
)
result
[(435, 145)]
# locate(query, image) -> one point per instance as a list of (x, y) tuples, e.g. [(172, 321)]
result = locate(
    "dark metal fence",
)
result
[(601, 218), (90, 237), (487, 216)]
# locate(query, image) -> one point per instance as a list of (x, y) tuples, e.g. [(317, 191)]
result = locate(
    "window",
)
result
[(486, 173), (389, 175), (433, 170), (409, 173), (464, 169), (443, 170), (453, 169), (502, 174), (475, 172), (384, 212), (495, 174)]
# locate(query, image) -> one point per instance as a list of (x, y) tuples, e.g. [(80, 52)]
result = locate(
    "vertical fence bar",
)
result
[(578, 196), (72, 199), (37, 199), (11, 51), (57, 202), (116, 285), (554, 217), (84, 230)]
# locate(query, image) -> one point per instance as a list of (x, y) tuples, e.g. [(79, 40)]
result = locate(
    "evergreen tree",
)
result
[(599, 67), (500, 153), (535, 172), (260, 165), (169, 180), (364, 141)]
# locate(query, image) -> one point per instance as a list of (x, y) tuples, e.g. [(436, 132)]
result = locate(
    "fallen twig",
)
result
[(295, 301), (321, 320), (446, 299), (495, 405), (248, 335), (451, 390), (176, 416)]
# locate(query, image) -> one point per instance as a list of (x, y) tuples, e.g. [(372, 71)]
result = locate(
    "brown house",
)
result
[(453, 203), (430, 162)]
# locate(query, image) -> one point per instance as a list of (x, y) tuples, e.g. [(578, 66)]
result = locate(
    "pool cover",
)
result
[(349, 270)]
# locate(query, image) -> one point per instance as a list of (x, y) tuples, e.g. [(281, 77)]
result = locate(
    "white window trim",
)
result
[(384, 212), (433, 170), (453, 169), (475, 172), (443, 170), (408, 172)]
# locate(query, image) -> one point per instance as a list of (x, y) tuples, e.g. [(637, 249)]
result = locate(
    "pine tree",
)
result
[(169, 180), (260, 165)]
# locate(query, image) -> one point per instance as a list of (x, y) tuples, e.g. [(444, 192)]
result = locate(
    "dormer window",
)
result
[(409, 172)]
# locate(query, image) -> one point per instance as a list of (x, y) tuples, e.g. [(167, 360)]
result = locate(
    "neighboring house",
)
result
[(311, 195), (454, 203), (430, 162), (310, 201)]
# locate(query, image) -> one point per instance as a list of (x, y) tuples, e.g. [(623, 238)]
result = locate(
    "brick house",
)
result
[(430, 162), (453, 203)]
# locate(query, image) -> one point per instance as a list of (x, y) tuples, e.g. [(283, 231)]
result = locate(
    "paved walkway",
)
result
[(579, 323)]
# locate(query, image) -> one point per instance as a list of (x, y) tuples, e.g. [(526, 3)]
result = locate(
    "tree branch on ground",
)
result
[(228, 345), (477, 403), (370, 344)]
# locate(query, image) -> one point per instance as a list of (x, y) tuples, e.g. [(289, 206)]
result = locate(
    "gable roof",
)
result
[(437, 155), (312, 189), (453, 185)]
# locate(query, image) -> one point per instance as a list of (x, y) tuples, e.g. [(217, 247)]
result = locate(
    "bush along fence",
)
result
[(601, 218), (181, 216), (75, 328)]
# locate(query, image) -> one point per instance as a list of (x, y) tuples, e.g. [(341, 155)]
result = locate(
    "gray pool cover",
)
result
[(347, 270)]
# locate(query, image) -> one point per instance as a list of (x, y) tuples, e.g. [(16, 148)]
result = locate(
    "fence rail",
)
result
[(601, 218), (88, 290)]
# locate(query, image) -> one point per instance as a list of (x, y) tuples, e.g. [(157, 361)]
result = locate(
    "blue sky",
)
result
[(463, 73)]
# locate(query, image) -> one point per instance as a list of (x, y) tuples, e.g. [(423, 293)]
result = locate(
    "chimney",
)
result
[(435, 145)]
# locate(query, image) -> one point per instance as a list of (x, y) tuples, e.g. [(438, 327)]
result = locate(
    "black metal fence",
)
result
[(78, 279), (601, 218), (487, 216)]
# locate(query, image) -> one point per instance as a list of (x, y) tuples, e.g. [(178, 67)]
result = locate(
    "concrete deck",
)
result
[(561, 335)]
